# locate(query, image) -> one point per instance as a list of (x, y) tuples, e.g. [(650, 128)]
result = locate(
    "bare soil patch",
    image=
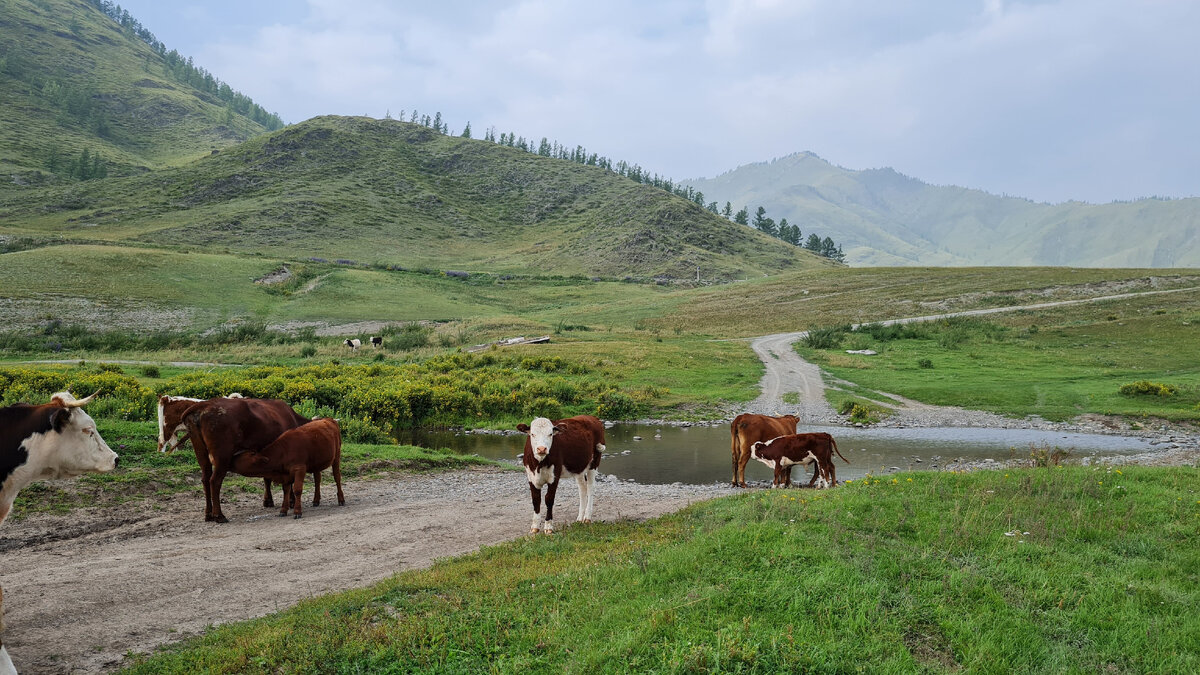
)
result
[(82, 590)]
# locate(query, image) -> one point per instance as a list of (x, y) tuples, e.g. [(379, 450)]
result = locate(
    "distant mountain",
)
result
[(73, 79), (390, 192), (882, 217)]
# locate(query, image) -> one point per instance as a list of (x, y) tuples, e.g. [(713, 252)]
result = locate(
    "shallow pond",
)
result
[(700, 454)]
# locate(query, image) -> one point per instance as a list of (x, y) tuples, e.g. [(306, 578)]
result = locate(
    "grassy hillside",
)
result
[(1072, 569), (72, 79), (885, 218), (394, 193)]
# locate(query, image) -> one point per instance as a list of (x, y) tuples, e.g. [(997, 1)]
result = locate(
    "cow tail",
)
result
[(839, 452)]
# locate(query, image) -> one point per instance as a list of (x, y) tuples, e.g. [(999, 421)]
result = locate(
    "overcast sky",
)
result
[(1092, 100)]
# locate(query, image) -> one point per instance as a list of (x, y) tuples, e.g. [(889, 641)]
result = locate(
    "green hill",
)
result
[(885, 218), (74, 79), (386, 192)]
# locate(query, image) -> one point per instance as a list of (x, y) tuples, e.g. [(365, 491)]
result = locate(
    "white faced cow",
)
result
[(55, 440), (353, 344), (571, 445)]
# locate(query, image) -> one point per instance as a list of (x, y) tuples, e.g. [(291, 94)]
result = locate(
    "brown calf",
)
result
[(747, 429), (572, 445), (784, 452), (310, 448)]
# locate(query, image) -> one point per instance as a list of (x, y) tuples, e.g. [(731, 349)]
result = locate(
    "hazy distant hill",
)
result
[(73, 79), (390, 192), (882, 217)]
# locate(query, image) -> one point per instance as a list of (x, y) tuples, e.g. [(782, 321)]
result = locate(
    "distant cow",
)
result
[(170, 422), (309, 448), (748, 429), (54, 440), (784, 452), (571, 445), (353, 344), (221, 428), (376, 341)]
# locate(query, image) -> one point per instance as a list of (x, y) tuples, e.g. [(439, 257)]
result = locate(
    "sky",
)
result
[(1055, 100)]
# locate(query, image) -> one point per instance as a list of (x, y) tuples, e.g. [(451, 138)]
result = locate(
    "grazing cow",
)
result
[(748, 429), (221, 428), (54, 440), (784, 452), (353, 344), (571, 445), (170, 423), (377, 341), (309, 448)]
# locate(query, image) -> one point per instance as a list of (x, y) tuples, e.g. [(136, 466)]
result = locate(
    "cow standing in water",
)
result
[(572, 446), (749, 428), (783, 453)]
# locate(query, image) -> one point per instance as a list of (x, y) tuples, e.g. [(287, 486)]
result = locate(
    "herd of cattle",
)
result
[(266, 438)]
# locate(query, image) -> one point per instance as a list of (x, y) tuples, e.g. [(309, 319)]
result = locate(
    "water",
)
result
[(701, 455)]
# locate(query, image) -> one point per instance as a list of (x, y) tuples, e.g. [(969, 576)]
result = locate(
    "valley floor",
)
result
[(82, 590)]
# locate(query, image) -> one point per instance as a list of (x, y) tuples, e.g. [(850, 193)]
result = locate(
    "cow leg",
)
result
[(742, 459), (205, 477), (535, 494), (316, 488), (297, 489), (337, 476), (268, 498), (285, 500), (787, 476), (591, 495), (218, 477), (582, 482), (551, 489)]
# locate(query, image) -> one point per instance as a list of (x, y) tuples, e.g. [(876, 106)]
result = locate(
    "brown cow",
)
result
[(572, 445), (748, 429), (310, 448), (221, 428), (784, 452), (170, 423)]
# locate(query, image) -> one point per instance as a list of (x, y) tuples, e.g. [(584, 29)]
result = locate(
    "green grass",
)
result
[(910, 573), (1056, 363), (145, 473)]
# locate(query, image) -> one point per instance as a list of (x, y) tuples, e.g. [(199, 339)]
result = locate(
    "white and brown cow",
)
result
[(572, 446), (784, 452), (54, 440), (353, 344)]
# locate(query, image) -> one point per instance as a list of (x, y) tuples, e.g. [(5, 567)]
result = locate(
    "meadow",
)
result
[(1075, 569)]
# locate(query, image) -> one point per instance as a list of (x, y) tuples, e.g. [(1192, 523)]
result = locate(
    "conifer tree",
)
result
[(742, 217), (467, 131)]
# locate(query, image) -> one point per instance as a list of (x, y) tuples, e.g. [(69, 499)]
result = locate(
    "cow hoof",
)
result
[(297, 516), (316, 504), (282, 514), (586, 520), (549, 531), (209, 518), (533, 530), (222, 519)]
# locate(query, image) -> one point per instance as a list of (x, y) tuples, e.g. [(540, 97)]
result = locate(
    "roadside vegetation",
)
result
[(1123, 358), (1027, 570)]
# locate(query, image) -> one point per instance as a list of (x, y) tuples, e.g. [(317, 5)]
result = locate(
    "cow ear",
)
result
[(60, 418), (523, 428), (558, 428)]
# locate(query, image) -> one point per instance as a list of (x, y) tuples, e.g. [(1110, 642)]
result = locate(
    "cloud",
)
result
[(1086, 99)]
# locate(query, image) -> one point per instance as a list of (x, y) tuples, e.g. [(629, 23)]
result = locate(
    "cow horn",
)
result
[(71, 402)]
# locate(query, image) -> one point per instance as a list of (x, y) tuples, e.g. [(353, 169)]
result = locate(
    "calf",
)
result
[(376, 341), (54, 440), (749, 428), (571, 445), (309, 448), (353, 344), (782, 453)]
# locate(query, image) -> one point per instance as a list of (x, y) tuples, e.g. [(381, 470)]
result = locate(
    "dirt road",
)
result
[(82, 590)]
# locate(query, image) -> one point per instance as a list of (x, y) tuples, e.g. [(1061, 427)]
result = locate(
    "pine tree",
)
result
[(727, 211), (437, 122), (742, 217), (467, 131), (813, 244)]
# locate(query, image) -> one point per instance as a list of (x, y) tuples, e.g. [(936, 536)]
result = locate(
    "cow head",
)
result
[(170, 419), (755, 447), (73, 445), (541, 435)]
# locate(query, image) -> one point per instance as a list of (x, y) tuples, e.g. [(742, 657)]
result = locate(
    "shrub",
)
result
[(355, 430), (151, 371), (308, 351), (1044, 456), (924, 363), (827, 337), (1147, 388), (614, 405)]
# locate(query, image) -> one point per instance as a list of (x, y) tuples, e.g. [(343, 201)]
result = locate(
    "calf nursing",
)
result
[(309, 448)]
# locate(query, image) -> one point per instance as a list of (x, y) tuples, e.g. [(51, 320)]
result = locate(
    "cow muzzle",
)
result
[(541, 453)]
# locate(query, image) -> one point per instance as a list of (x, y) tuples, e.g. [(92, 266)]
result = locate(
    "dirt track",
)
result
[(82, 590)]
